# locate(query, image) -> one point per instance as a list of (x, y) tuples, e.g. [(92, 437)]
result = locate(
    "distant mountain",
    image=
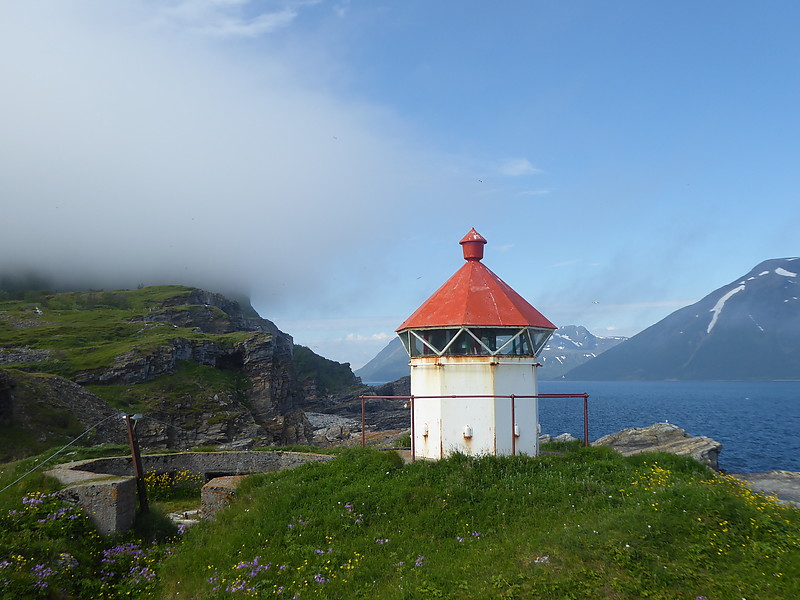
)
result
[(569, 347), (746, 330), (390, 364)]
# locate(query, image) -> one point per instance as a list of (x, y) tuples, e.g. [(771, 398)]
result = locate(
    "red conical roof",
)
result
[(474, 296)]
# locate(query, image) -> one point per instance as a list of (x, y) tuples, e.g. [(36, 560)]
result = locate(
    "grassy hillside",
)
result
[(329, 376), (584, 525), (81, 331), (589, 524)]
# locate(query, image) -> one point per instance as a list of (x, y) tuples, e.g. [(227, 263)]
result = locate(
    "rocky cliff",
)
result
[(199, 370)]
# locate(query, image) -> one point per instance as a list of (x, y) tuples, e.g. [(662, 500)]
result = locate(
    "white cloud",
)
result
[(375, 337), (135, 155), (229, 18), (514, 167)]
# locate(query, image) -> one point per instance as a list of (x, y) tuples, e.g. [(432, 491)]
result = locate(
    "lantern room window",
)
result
[(475, 341)]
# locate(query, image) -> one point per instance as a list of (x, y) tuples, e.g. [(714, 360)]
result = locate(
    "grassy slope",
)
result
[(589, 524), (331, 376), (88, 330)]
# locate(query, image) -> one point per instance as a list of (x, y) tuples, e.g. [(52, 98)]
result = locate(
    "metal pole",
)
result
[(413, 444), (141, 487), (363, 438), (586, 420), (513, 427)]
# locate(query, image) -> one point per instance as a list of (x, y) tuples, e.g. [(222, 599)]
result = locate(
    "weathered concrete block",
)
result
[(217, 494), (110, 502)]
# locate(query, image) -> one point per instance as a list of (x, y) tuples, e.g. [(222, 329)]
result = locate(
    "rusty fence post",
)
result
[(141, 486), (586, 420)]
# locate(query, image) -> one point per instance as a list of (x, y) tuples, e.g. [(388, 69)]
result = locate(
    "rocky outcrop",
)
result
[(663, 437), (208, 312), (380, 413), (783, 484), (546, 438), (23, 354), (331, 429), (273, 414)]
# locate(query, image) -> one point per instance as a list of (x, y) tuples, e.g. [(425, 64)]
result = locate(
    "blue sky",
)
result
[(622, 158)]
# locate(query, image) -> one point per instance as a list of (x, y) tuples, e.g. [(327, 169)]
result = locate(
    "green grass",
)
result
[(584, 524), (85, 331), (588, 524)]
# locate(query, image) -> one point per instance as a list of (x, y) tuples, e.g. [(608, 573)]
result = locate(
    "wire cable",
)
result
[(44, 462)]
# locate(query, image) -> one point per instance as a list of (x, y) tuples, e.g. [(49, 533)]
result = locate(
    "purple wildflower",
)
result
[(319, 578), (42, 572), (419, 561)]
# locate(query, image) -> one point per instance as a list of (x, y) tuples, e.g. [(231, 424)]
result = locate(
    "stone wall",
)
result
[(205, 464), (106, 488)]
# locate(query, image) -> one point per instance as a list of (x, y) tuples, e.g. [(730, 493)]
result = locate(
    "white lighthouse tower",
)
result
[(473, 346)]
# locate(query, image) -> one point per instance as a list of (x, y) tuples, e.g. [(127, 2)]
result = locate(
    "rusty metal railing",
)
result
[(513, 397)]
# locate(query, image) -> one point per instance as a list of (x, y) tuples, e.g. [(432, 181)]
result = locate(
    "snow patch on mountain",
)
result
[(720, 303), (785, 273)]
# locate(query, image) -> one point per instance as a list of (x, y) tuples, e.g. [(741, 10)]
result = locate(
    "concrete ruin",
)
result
[(105, 488)]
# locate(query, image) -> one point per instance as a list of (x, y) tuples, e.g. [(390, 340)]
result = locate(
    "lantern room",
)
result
[(473, 348)]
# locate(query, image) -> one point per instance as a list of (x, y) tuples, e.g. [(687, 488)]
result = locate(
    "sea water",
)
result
[(757, 423)]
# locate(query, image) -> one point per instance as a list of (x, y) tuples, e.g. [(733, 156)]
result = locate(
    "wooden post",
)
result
[(141, 486)]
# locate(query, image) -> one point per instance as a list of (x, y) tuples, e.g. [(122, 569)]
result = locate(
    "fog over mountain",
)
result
[(136, 151)]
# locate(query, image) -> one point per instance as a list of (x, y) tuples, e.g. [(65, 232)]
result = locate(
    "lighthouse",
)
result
[(473, 347)]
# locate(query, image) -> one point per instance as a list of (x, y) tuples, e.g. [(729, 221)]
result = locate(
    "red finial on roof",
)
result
[(472, 245), (474, 296)]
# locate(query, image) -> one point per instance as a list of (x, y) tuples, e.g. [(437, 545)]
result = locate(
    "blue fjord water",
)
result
[(758, 423)]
